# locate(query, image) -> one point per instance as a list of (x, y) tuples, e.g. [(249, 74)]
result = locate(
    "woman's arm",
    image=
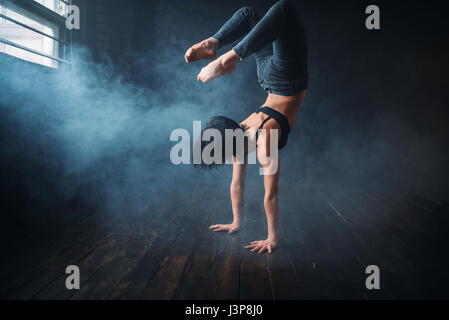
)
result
[(270, 165), (271, 204), (236, 190)]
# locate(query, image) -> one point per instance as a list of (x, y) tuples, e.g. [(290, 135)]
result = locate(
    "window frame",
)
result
[(65, 35)]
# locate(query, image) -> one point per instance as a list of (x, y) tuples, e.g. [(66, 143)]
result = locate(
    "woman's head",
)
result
[(216, 128)]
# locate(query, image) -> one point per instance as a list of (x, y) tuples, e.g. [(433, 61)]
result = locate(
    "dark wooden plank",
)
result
[(404, 242), (88, 266), (403, 215), (225, 271), (115, 263), (51, 272), (336, 267), (353, 242), (328, 238), (382, 239), (284, 280), (196, 279), (134, 280), (425, 239), (312, 265), (144, 226), (436, 208), (421, 221), (136, 244), (55, 266), (165, 281), (254, 276), (299, 247), (39, 251), (37, 259)]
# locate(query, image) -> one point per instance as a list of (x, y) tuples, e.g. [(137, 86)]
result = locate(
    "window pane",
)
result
[(57, 6), (28, 38)]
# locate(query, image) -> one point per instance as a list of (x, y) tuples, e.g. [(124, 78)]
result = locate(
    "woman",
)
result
[(278, 42)]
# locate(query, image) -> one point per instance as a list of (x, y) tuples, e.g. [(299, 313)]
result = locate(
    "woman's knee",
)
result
[(248, 12)]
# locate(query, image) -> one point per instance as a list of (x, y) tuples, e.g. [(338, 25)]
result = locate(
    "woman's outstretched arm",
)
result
[(269, 161), (236, 190)]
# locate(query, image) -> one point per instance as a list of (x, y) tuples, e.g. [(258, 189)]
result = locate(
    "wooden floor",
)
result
[(167, 251)]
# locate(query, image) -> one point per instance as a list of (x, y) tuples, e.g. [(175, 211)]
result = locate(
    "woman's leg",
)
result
[(239, 25), (235, 28), (281, 25)]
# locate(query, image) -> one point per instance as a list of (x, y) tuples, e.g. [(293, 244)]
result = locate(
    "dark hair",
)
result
[(219, 123)]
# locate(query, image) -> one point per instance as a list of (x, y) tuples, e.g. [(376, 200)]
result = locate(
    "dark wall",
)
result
[(97, 135)]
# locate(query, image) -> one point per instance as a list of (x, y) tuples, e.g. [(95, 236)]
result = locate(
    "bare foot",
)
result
[(206, 49), (230, 228), (225, 64), (262, 245)]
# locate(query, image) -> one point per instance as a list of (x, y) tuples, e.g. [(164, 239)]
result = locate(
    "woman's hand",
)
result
[(230, 228), (262, 245)]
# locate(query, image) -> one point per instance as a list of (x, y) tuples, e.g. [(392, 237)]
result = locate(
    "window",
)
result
[(34, 33), (58, 6)]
